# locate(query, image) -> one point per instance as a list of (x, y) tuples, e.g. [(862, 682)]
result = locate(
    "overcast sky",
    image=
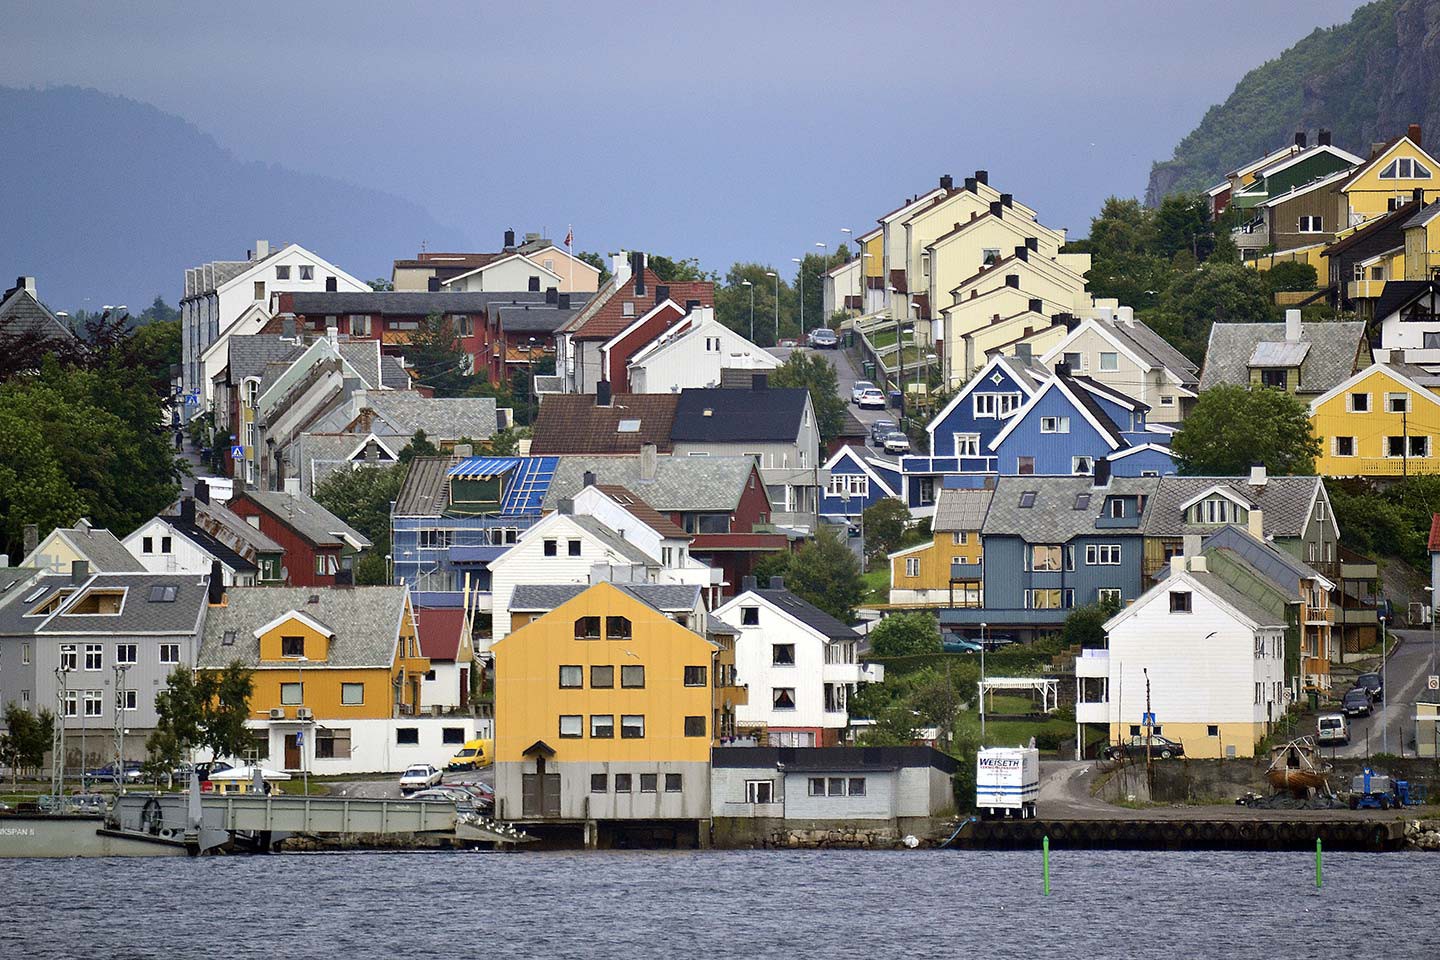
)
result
[(735, 130)]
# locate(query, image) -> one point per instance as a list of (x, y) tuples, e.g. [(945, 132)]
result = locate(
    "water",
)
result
[(737, 905)]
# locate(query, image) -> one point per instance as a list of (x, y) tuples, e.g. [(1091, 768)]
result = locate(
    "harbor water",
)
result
[(734, 904)]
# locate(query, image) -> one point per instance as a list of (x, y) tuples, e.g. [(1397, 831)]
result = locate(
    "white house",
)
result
[(176, 544), (511, 272), (218, 293), (695, 355), (800, 664), (1207, 659), (632, 518)]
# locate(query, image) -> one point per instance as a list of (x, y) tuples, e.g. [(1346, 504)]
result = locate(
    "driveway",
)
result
[(1391, 725)]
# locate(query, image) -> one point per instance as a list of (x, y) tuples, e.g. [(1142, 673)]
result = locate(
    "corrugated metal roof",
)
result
[(1284, 353)]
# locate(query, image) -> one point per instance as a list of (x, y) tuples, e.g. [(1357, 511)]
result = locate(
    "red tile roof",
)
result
[(1435, 533), (609, 319), (642, 511), (572, 423), (439, 631)]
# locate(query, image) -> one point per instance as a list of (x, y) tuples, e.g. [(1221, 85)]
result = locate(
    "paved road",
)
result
[(389, 787), (1392, 725)]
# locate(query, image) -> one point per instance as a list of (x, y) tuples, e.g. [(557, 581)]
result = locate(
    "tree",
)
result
[(419, 446), (814, 373), (1233, 427), (826, 573), (178, 719), (1085, 626), (440, 362), (1215, 293), (226, 709), (159, 312), (362, 499), (381, 285), (1291, 275), (906, 635), (506, 443), (1183, 223), (1125, 227), (775, 564), (598, 262), (27, 736), (885, 522), (732, 301), (677, 271), (207, 711), (809, 279)]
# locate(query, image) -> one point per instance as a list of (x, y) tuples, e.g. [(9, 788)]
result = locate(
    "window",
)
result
[(912, 566), (782, 654), (1394, 446), (1108, 595), (452, 735), (599, 783), (1344, 446), (649, 782), (848, 485), (627, 309), (71, 704), (1027, 499), (1217, 509), (282, 273), (572, 726), (602, 727), (750, 616), (1359, 402), (856, 786), (587, 628), (572, 676), (601, 678), (169, 653), (1167, 400), (1109, 360), (1275, 379), (69, 660), (960, 538), (817, 786), (1179, 601), (986, 405), (25, 653), (292, 646), (632, 676), (1313, 224), (1074, 361), (1045, 557), (837, 786), (967, 444), (352, 694), (94, 703), (1054, 424), (1404, 168), (147, 544), (1117, 508), (694, 676), (632, 726), (782, 698), (622, 782), (1082, 466), (94, 656), (125, 653), (1044, 599), (759, 791), (573, 548), (617, 628), (1420, 446), (359, 325), (259, 289), (1397, 402), (407, 736), (332, 743), (694, 726), (291, 694), (435, 539), (927, 491), (129, 701), (1025, 466), (552, 548), (1009, 402), (1102, 554)]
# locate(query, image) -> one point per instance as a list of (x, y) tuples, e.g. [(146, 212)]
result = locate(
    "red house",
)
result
[(320, 548)]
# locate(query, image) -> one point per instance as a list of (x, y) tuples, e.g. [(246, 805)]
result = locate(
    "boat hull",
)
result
[(61, 835)]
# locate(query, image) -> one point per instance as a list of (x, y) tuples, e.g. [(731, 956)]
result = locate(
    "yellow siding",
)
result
[(1197, 741), (1369, 196), (1333, 418), (529, 700), (875, 246), (934, 561)]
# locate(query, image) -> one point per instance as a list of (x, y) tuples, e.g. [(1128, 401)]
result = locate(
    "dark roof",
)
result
[(642, 511), (21, 314), (604, 316), (573, 423), (821, 759), (425, 490), (203, 539), (438, 630), (679, 485), (808, 614), (138, 614), (306, 517), (1399, 294), (719, 415), (1284, 503), (1088, 401), (442, 261), (405, 303), (1395, 218), (536, 317)]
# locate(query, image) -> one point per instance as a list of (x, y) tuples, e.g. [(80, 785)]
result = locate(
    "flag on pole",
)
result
[(570, 237)]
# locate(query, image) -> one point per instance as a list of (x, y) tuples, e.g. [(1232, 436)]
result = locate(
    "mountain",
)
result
[(110, 199), (1365, 81)]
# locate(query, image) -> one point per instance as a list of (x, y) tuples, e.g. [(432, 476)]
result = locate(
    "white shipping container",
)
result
[(1007, 781)]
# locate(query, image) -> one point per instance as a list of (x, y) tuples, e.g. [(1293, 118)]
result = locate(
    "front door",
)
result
[(464, 687), (292, 752)]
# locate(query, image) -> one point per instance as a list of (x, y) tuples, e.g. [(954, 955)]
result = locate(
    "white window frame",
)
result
[(94, 703), (1390, 400), (1054, 424), (171, 648), (1102, 554), (1112, 364), (127, 654), (1103, 594), (1009, 402), (967, 444), (1335, 446), (912, 566), (986, 405), (1350, 402), (1405, 168), (1075, 465), (94, 657), (1310, 223)]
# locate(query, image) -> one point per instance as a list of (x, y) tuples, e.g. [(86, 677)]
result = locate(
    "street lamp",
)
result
[(770, 273), (982, 683), (1431, 591), (747, 283), (802, 293), (1384, 690), (847, 233)]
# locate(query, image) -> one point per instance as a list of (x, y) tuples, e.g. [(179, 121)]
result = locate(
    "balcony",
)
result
[(1118, 523), (1364, 289), (841, 673), (1358, 616), (1092, 712), (1093, 663), (967, 571)]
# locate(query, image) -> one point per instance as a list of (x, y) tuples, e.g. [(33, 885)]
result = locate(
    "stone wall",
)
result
[(742, 833), (1422, 835), (1219, 781)]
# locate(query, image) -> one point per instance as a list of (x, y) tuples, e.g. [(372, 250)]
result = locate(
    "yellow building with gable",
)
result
[(1380, 422), (948, 570), (1390, 177)]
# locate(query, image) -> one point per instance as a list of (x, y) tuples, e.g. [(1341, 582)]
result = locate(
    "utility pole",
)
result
[(120, 671), (1405, 440), (982, 684), (57, 737), (1149, 733)]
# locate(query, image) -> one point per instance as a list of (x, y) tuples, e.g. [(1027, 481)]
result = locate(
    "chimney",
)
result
[(747, 584), (1418, 195), (759, 381), (1412, 133), (1322, 139), (27, 284), (292, 486), (216, 589), (332, 285), (1101, 477), (947, 183), (262, 249), (602, 393), (552, 295), (971, 185), (1300, 139), (1190, 545), (332, 333), (662, 293), (79, 571), (777, 583), (562, 300), (433, 285), (32, 538), (1022, 253), (1062, 368), (982, 176), (1127, 316), (344, 579), (1198, 564), (1292, 325), (1375, 147), (463, 450), (1177, 564), (1012, 280), (509, 239), (1257, 475), (187, 509), (649, 462), (589, 478), (287, 326), (1007, 199), (637, 272), (996, 208), (1022, 351), (1037, 305), (1033, 244), (691, 306)]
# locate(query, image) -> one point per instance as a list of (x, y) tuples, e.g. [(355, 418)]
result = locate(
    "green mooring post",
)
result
[(1045, 848), (1319, 879)]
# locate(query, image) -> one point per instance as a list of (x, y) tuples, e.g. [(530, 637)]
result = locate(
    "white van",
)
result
[(1332, 728)]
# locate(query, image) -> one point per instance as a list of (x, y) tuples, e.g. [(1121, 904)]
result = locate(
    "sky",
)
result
[(723, 131)]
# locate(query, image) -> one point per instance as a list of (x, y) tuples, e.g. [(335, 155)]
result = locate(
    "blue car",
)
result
[(959, 644)]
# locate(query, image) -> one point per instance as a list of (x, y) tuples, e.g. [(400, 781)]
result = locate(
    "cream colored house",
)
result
[(1122, 353)]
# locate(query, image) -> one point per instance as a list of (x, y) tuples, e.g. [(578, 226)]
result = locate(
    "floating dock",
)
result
[(1215, 834)]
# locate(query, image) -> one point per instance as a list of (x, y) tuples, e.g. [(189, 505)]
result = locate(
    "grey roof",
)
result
[(306, 517), (665, 597), (21, 314), (139, 614), (1423, 216), (14, 579), (426, 488), (392, 374), (1054, 517), (217, 520), (1284, 501), (536, 317), (1334, 349), (364, 356), (365, 621), (441, 418), (404, 303), (1267, 560), (1244, 603), (317, 455), (250, 354), (1155, 349), (809, 614), (614, 541), (215, 548), (960, 509), (721, 415), (102, 548), (681, 484)]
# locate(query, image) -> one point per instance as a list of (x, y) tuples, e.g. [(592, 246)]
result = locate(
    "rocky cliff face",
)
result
[(1365, 80)]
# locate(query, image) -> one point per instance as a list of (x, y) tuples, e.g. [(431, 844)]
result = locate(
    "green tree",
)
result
[(27, 736), (226, 709), (362, 498), (677, 271), (152, 350), (159, 312), (1232, 427), (439, 361), (1291, 275), (1183, 223), (885, 522), (905, 635), (179, 717), (814, 373), (1124, 227), (825, 572), (381, 285), (598, 262), (506, 443), (732, 301), (1215, 293), (1085, 626), (770, 565), (809, 278), (419, 446)]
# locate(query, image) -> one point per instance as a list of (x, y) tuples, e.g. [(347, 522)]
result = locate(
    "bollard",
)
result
[(1045, 857), (1319, 880)]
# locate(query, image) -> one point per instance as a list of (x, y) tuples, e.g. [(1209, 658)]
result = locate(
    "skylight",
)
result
[(628, 426), (1027, 499), (35, 594), (1082, 501), (163, 593)]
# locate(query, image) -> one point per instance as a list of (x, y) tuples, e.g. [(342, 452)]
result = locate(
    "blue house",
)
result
[(1070, 423), (857, 479)]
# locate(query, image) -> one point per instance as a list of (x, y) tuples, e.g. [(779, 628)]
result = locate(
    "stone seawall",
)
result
[(747, 833), (1422, 835)]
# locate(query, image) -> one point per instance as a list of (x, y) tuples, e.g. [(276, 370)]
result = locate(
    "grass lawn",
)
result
[(877, 585)]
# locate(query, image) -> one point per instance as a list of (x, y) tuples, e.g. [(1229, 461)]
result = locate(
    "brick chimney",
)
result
[(1412, 133)]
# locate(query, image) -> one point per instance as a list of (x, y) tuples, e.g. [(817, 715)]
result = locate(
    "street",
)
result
[(1404, 680), (388, 788)]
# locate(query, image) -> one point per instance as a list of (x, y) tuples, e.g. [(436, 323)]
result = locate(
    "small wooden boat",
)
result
[(1298, 767)]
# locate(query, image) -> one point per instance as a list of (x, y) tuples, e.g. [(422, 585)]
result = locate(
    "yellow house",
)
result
[(603, 713), (1390, 177), (948, 570), (1380, 422)]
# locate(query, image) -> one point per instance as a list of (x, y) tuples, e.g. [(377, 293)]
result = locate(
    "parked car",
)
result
[(1332, 728), (1161, 748), (1357, 703), (473, 755), (954, 643), (418, 777), (482, 795), (897, 442), (860, 387), (871, 399), (788, 342), (881, 429), (1373, 684), (464, 800), (111, 772), (823, 339)]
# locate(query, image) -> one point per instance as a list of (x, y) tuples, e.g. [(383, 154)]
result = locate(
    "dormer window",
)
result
[(1216, 510), (627, 309), (99, 603), (1405, 168)]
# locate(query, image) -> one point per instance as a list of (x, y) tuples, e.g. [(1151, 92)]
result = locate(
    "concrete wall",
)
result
[(578, 802)]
